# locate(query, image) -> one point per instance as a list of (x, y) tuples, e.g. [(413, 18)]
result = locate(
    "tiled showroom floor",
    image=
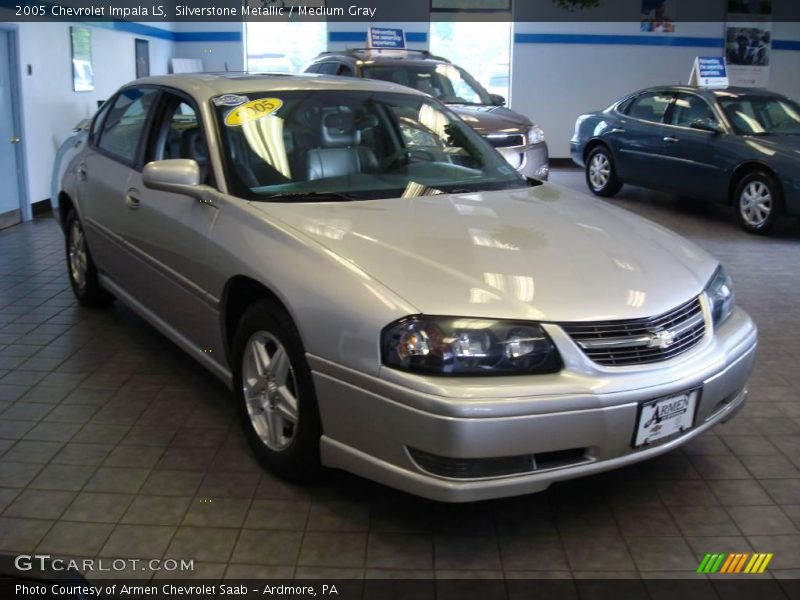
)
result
[(115, 444)]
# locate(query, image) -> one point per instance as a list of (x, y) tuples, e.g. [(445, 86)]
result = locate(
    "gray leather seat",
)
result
[(194, 146), (339, 152)]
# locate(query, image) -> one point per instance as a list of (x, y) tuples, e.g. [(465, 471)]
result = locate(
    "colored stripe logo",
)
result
[(737, 562)]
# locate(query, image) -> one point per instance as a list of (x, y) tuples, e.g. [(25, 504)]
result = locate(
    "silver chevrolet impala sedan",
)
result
[(386, 295)]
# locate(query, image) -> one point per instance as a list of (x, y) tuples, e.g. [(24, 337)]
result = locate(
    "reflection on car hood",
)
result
[(786, 143), (537, 253), (492, 119)]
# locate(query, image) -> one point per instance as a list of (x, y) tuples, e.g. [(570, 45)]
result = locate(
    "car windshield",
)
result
[(448, 83), (762, 115), (351, 145)]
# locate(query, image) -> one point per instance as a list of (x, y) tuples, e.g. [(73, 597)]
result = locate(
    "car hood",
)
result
[(787, 144), (542, 253), (492, 119)]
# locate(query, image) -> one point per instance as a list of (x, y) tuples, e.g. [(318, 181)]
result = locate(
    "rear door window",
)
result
[(123, 126), (650, 106)]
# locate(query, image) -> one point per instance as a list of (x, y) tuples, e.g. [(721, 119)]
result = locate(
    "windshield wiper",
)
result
[(312, 197)]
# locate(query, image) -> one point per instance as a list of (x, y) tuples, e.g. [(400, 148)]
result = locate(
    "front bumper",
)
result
[(530, 161), (371, 423)]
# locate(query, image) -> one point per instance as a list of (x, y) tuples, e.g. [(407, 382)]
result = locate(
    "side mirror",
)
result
[(176, 175), (709, 125), (497, 99)]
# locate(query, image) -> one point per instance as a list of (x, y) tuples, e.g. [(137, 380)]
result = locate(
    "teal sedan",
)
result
[(738, 146)]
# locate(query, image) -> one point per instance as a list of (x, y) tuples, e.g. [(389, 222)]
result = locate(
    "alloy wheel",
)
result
[(78, 260), (270, 390), (755, 203), (599, 171)]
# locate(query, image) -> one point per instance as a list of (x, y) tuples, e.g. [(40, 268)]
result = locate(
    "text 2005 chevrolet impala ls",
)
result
[(386, 294)]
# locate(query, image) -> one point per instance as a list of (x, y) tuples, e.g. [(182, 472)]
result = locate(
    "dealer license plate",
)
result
[(665, 416)]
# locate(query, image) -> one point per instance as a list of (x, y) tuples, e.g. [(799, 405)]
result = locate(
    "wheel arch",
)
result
[(745, 169), (65, 204), (240, 292), (594, 143)]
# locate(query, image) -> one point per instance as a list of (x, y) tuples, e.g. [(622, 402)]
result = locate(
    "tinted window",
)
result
[(313, 69), (97, 124), (345, 71), (757, 115), (444, 81), (124, 124), (650, 106), (689, 108), (328, 68)]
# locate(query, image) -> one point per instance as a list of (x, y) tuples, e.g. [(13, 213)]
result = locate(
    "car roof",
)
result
[(715, 92), (383, 57), (204, 86)]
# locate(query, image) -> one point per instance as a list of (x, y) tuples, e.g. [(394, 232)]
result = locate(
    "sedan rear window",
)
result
[(650, 106), (124, 124)]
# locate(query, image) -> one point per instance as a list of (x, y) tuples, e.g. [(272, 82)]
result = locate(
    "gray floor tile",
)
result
[(325, 549), (532, 553), (98, 507), (172, 483), (202, 543), (400, 551), (764, 520), (138, 541), (466, 552), (661, 554), (267, 547), (39, 504), (117, 479), (75, 539), (157, 510), (277, 514), (62, 477), (217, 512), (22, 535), (597, 554)]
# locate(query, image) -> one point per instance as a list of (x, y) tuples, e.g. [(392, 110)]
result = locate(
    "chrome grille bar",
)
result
[(640, 341)]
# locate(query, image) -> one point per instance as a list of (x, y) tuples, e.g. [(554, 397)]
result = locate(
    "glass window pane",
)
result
[(283, 47), (124, 124), (482, 49), (650, 106), (688, 109)]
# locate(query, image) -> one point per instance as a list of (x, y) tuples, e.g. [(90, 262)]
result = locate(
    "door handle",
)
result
[(14, 139), (670, 139), (618, 130), (132, 199), (82, 172)]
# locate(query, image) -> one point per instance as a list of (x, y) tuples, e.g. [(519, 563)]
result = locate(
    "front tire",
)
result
[(759, 202), (277, 403), (601, 175), (80, 265)]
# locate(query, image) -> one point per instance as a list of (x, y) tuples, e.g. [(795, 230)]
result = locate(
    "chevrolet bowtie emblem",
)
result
[(663, 338)]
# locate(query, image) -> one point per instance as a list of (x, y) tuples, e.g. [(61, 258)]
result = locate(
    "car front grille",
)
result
[(506, 141), (640, 341)]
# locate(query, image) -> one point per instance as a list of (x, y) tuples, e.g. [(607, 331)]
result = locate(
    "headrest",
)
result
[(339, 130)]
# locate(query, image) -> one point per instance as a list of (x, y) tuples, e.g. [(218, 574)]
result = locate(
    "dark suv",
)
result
[(515, 136)]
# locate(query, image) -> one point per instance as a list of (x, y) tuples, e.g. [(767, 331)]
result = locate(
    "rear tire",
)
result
[(80, 265), (758, 200), (277, 403), (601, 175)]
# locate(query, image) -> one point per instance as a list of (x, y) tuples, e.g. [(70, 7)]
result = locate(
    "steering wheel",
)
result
[(407, 153)]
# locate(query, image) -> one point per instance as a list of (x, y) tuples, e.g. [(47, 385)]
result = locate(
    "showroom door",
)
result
[(10, 204)]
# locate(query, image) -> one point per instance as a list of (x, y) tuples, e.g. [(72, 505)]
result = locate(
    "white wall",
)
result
[(553, 83), (49, 105), (784, 74), (216, 55)]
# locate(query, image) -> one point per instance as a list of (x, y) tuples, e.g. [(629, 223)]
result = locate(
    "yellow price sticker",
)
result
[(252, 111)]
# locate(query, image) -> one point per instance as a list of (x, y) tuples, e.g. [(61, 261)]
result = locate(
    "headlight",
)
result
[(535, 135), (463, 346), (720, 296)]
